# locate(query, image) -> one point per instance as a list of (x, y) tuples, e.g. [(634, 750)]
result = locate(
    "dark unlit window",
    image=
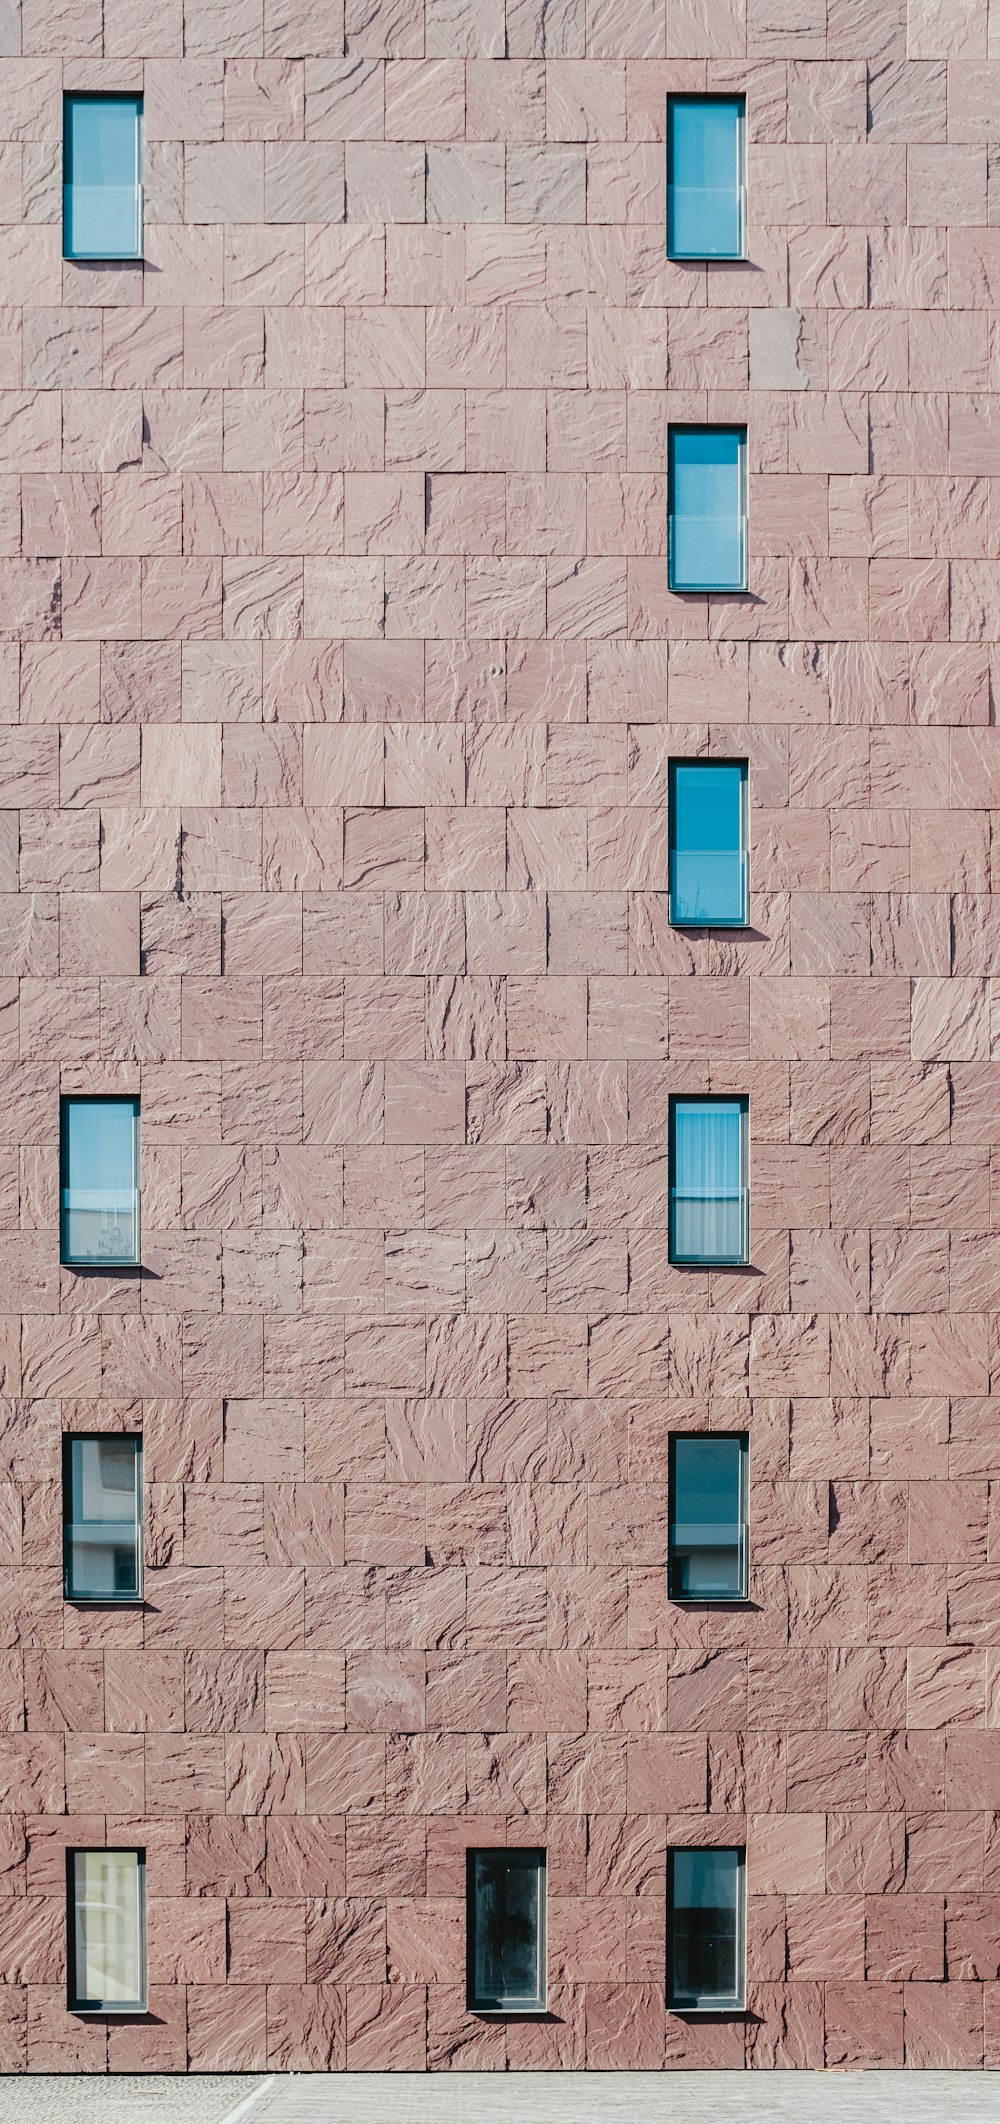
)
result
[(705, 1899), (506, 1938), (102, 1517)]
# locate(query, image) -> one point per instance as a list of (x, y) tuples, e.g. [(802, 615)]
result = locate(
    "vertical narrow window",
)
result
[(706, 176), (102, 1517), (102, 176), (107, 1928), (708, 1517), (506, 1931), (707, 530), (99, 1181), (705, 1957), (709, 884), (709, 1206)]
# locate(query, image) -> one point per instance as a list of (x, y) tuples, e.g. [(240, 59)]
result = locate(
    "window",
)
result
[(705, 1930), (100, 1183), (506, 1931), (102, 177), (708, 844), (709, 1208), (708, 1517), (706, 176), (707, 531), (102, 1517), (107, 1928)]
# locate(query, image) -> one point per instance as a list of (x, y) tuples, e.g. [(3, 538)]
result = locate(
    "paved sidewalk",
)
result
[(521, 2098)]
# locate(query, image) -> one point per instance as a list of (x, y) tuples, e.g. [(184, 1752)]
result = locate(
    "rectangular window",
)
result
[(705, 1958), (506, 1931), (107, 1931), (706, 176), (709, 1205), (102, 1517), (102, 176), (708, 1517), (707, 530), (99, 1180), (709, 883)]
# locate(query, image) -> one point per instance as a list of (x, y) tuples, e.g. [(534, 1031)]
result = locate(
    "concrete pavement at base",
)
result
[(522, 2098)]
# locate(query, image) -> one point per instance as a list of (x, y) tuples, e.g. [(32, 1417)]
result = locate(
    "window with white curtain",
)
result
[(709, 1206), (107, 1931)]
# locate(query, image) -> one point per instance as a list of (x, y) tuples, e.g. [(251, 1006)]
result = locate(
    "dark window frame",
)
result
[(85, 1264), (136, 97), (717, 2004), (112, 2008), (741, 921), (710, 427), (681, 1099), (714, 1600), (105, 1599), (675, 98), (496, 2008)]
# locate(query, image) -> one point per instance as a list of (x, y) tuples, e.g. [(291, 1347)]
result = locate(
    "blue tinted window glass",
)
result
[(706, 1929), (708, 868), (707, 504), (708, 1547), (102, 1517), (102, 177), (705, 180), (708, 1197), (100, 1181)]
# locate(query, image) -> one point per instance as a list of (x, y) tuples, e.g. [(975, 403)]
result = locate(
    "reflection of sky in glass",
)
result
[(707, 544), (706, 836), (705, 177), (707, 1481), (102, 176), (100, 1143), (704, 1880)]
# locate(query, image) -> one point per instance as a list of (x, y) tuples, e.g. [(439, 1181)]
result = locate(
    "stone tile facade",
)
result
[(338, 685)]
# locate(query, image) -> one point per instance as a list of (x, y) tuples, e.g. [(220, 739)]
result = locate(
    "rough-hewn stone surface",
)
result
[(338, 682)]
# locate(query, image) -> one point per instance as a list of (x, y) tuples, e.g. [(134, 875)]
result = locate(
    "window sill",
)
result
[(709, 2013), (727, 922), (99, 1268), (536, 2012), (109, 2013)]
